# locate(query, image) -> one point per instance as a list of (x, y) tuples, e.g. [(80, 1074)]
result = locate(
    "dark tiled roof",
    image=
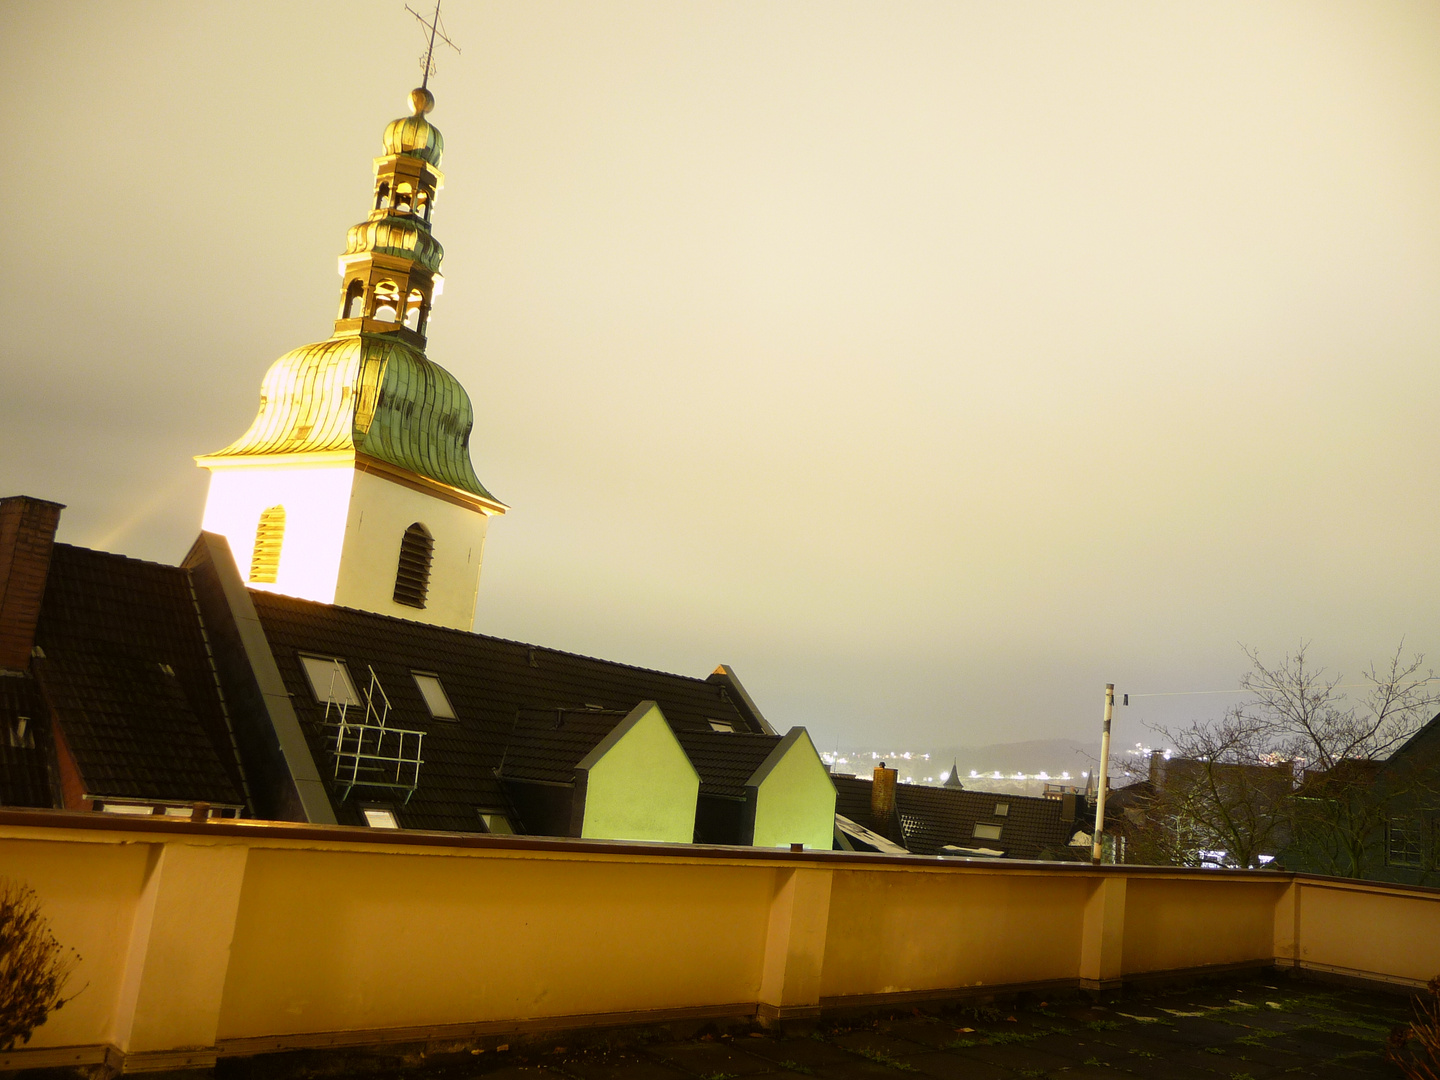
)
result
[(24, 775), (127, 675), (546, 746), (725, 760), (932, 817), (488, 680)]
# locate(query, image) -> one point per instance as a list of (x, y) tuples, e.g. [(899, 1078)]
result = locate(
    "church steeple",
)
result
[(361, 445), (390, 272)]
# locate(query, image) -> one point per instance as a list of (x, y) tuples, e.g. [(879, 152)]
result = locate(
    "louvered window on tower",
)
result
[(412, 579), (269, 535)]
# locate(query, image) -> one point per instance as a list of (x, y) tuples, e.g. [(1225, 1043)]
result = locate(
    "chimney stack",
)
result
[(27, 535), (882, 794)]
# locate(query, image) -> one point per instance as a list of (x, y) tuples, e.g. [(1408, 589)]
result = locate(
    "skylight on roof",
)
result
[(330, 680), (986, 832), (1002, 809), (434, 694), (377, 818), (722, 725)]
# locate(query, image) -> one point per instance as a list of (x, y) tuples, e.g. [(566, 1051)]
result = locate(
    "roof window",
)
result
[(434, 694), (986, 832), (329, 680), (495, 821), (721, 725), (378, 818), (1002, 809)]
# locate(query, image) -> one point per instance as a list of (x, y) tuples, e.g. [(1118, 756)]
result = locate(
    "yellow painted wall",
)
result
[(1173, 923), (897, 930), (796, 801), (1345, 926), (89, 892), (643, 787), (336, 940), (209, 936)]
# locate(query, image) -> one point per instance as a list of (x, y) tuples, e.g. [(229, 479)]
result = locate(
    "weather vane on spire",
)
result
[(433, 28)]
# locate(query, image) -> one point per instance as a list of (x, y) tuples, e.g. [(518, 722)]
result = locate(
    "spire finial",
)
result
[(433, 28)]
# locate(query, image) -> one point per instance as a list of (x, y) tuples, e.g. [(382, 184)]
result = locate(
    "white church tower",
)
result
[(353, 485)]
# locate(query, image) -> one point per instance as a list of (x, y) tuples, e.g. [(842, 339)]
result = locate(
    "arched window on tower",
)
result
[(382, 196), (422, 205), (402, 198), (415, 311), (269, 536), (354, 300), (387, 302), (412, 577)]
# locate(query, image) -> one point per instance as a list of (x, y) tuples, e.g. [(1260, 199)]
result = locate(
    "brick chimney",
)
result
[(1157, 769), (27, 535), (882, 795)]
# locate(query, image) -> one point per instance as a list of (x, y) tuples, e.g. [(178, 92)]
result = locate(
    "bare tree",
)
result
[(1221, 791), (1293, 766), (33, 966)]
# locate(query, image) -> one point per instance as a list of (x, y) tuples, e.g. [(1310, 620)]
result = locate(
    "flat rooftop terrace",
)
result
[(1242, 1029)]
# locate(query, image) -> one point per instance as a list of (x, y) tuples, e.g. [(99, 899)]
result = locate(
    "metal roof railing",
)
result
[(367, 752)]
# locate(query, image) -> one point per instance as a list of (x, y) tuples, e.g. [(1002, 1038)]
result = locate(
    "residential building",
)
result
[(926, 820)]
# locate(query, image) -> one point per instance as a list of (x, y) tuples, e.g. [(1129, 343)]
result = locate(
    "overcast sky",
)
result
[(932, 364)]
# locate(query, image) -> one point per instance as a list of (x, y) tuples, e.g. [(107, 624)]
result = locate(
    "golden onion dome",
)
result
[(414, 136), (405, 238), (371, 394)]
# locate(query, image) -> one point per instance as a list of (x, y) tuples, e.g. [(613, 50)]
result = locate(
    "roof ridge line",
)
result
[(118, 555), (487, 637)]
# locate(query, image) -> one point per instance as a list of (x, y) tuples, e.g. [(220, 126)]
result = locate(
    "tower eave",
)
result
[(361, 462)]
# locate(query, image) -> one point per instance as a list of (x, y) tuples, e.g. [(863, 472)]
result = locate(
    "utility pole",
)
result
[(1104, 772)]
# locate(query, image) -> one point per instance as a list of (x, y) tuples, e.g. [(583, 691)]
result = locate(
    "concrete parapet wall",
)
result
[(202, 940)]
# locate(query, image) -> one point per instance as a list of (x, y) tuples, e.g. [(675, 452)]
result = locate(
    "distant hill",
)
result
[(1031, 756)]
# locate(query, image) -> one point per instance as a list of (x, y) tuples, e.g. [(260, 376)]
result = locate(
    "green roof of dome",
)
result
[(372, 394), (416, 137), (403, 237)]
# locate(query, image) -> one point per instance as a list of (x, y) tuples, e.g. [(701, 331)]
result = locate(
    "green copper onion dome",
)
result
[(368, 393), (401, 237), (414, 136)]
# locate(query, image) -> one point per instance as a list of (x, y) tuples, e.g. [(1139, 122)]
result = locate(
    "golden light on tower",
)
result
[(361, 439)]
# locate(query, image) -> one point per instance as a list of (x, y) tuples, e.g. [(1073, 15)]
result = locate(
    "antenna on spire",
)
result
[(433, 28)]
